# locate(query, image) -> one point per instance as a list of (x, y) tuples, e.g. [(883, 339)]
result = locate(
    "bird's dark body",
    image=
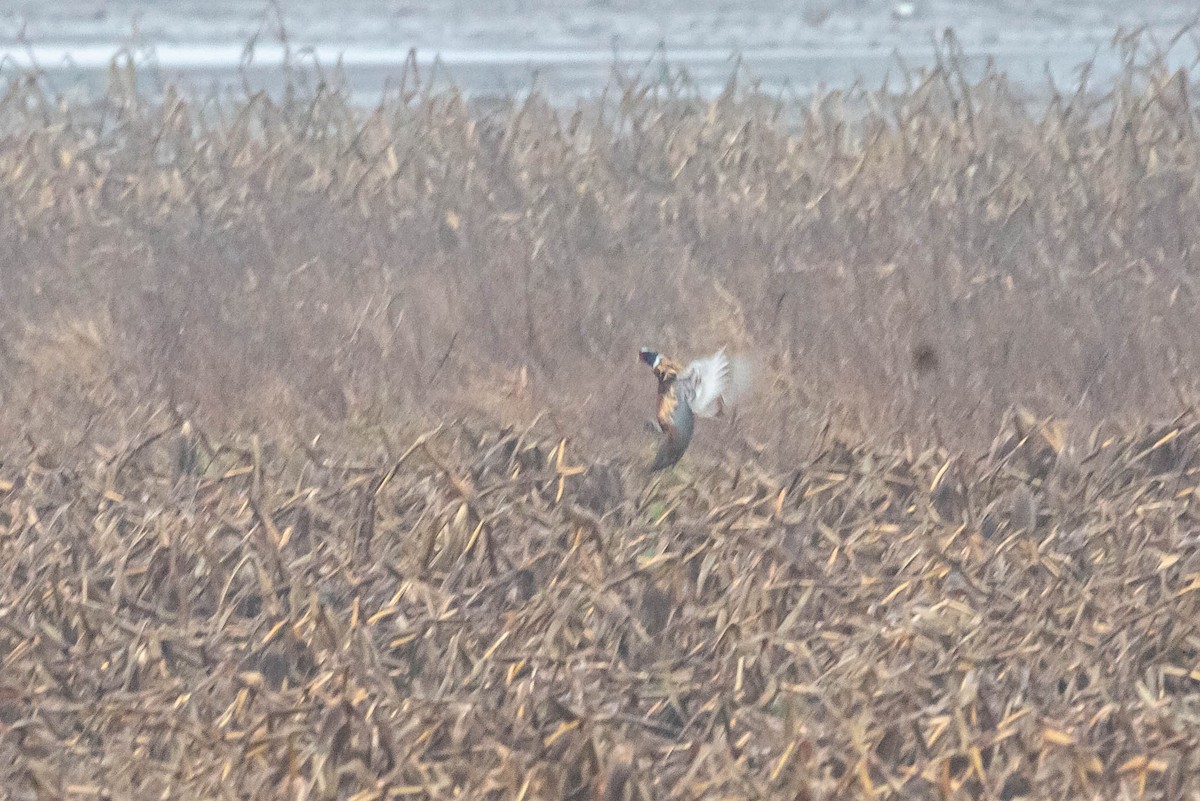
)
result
[(674, 413), (704, 387), (677, 422)]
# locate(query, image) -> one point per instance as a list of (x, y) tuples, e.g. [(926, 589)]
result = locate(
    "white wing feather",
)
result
[(709, 381)]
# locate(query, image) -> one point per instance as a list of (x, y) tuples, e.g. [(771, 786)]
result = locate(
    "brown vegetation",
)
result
[(230, 567), (484, 618), (910, 263)]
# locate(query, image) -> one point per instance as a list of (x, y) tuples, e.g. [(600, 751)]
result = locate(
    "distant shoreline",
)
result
[(564, 75), (568, 49), (195, 56)]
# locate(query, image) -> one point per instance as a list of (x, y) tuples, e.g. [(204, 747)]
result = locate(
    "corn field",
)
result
[(323, 467)]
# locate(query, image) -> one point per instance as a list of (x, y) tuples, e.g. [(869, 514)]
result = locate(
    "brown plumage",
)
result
[(701, 388)]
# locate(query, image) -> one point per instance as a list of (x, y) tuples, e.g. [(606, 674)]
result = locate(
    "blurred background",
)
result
[(914, 216), (496, 48)]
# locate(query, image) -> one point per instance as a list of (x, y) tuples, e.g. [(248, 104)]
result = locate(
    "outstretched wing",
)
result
[(707, 381)]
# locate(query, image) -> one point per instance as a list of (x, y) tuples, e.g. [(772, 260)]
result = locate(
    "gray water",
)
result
[(570, 49)]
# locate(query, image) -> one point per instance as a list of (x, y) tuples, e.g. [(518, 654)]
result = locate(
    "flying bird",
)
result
[(705, 388)]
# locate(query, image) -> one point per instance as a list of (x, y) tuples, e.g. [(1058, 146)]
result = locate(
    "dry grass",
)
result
[(910, 263), (294, 595), (482, 618)]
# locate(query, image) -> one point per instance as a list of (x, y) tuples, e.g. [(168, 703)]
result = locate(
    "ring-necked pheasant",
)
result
[(702, 388)]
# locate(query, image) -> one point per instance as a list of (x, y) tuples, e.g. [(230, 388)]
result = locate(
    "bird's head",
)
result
[(664, 369)]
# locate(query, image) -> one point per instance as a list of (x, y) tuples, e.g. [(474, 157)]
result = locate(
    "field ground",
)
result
[(490, 615), (322, 445)]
